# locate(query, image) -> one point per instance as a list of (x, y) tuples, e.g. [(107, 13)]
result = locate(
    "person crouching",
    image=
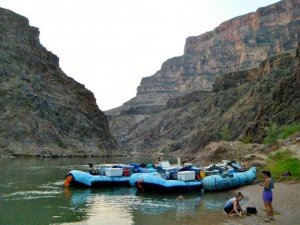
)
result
[(232, 206)]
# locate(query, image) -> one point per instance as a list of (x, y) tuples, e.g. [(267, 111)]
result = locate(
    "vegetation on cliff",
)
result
[(275, 133)]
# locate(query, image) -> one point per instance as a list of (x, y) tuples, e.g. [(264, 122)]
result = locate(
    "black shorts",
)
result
[(228, 209)]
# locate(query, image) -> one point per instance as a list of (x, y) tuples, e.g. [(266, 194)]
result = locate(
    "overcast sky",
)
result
[(109, 45)]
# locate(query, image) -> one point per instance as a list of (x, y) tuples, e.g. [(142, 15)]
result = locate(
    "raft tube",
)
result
[(84, 179), (153, 183), (228, 181), (137, 176)]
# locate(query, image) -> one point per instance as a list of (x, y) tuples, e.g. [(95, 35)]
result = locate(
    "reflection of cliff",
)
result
[(124, 206), (239, 76), (155, 209), (104, 206), (42, 111)]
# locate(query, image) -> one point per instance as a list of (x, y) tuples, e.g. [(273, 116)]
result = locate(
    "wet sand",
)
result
[(286, 199)]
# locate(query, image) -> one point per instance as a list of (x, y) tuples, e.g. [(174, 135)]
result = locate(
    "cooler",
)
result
[(186, 175), (113, 172)]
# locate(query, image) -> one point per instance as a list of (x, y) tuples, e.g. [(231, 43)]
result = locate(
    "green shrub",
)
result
[(61, 144), (282, 161), (288, 130), (272, 133), (281, 155), (225, 133), (247, 139)]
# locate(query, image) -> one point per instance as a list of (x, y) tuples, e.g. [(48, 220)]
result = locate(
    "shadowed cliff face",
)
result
[(43, 111), (237, 45)]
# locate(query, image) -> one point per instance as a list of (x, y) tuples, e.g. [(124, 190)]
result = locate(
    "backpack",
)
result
[(251, 210)]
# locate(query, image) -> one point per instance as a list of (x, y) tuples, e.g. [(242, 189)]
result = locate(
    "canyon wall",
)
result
[(43, 112), (235, 46)]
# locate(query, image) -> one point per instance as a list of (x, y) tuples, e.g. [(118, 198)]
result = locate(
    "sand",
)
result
[(286, 202)]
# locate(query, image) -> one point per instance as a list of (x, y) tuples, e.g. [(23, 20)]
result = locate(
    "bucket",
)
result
[(126, 172)]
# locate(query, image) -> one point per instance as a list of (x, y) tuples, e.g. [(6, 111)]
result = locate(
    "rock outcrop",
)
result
[(188, 101), (43, 112), (215, 152)]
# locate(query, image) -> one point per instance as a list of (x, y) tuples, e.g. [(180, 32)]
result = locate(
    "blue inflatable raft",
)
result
[(104, 176), (228, 181), (84, 179), (154, 183)]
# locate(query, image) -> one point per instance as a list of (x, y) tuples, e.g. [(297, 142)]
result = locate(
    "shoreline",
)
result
[(20, 156), (285, 202)]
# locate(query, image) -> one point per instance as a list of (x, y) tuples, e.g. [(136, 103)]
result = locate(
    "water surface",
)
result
[(32, 192)]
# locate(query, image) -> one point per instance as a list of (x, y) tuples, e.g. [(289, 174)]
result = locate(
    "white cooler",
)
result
[(186, 175), (114, 172)]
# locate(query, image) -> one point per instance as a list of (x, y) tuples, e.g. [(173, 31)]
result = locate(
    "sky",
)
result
[(110, 45)]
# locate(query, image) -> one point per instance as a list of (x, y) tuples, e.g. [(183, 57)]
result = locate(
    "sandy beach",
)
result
[(286, 198)]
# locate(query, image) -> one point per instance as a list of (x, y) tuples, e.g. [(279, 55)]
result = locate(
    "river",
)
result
[(32, 193)]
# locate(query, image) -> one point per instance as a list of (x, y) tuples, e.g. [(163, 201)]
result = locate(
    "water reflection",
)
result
[(125, 206), (103, 206), (32, 192), (215, 200), (191, 209)]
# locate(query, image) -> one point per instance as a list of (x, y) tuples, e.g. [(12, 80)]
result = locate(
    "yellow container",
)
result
[(202, 174)]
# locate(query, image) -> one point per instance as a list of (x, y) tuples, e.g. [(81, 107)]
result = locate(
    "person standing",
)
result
[(267, 196)]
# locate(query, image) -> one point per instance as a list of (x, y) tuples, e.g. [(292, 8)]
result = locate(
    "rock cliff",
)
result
[(240, 107), (43, 112), (236, 46)]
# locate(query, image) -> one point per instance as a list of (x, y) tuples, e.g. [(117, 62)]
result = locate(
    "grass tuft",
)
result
[(288, 130)]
